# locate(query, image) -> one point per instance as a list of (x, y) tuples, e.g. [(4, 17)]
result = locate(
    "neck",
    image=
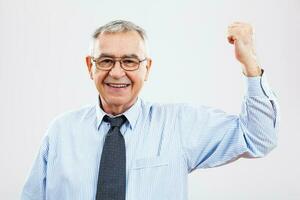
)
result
[(115, 109)]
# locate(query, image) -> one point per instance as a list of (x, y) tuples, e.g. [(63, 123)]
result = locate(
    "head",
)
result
[(117, 87)]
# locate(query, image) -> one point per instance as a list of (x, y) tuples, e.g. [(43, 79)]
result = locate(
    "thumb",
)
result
[(239, 45)]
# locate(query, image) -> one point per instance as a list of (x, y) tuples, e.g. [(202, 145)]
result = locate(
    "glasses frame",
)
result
[(118, 59)]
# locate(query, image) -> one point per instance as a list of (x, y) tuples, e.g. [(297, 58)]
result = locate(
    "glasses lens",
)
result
[(105, 63), (130, 63)]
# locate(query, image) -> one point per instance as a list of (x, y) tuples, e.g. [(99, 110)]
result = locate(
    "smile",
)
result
[(117, 85)]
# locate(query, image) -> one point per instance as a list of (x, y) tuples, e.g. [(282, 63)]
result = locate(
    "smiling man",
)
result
[(127, 148), (117, 72)]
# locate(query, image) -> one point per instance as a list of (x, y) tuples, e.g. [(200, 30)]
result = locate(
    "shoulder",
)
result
[(71, 118), (173, 109)]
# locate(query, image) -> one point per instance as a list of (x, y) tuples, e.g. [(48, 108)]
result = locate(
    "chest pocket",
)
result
[(150, 162), (149, 178)]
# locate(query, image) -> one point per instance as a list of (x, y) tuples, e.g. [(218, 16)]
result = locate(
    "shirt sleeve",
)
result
[(211, 137), (34, 188)]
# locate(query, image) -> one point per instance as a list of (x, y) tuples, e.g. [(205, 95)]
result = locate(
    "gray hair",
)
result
[(119, 26)]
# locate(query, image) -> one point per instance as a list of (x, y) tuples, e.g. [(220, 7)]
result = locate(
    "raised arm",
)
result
[(211, 137)]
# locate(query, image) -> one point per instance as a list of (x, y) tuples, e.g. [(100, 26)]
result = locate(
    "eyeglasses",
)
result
[(107, 63)]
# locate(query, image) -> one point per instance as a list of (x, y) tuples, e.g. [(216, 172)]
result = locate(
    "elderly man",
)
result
[(126, 148)]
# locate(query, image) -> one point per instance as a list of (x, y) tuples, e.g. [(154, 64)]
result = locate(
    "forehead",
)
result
[(119, 44)]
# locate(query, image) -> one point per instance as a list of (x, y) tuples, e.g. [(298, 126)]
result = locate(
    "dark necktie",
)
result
[(112, 170)]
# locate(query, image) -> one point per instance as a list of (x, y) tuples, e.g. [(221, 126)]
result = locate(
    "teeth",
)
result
[(118, 85)]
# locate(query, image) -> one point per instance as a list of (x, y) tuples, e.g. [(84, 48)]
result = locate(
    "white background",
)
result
[(42, 73)]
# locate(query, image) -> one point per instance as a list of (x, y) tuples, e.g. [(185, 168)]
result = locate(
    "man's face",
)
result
[(118, 87)]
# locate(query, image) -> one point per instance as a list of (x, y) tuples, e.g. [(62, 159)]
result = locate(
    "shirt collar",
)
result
[(131, 114)]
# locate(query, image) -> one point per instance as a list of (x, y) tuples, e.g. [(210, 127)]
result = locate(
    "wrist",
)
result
[(252, 69)]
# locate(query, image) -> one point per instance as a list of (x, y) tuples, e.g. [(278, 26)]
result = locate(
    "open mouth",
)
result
[(119, 85)]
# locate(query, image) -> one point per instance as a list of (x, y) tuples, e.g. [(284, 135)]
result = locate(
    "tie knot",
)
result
[(115, 121)]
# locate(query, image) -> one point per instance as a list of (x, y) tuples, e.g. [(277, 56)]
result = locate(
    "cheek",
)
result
[(137, 76), (136, 79), (99, 77)]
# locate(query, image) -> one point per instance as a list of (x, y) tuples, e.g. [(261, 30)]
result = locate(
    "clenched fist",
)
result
[(241, 36)]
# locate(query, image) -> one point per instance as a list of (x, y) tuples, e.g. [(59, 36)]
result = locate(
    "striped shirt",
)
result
[(164, 143)]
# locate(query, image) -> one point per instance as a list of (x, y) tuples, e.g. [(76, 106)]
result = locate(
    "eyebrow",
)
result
[(113, 56)]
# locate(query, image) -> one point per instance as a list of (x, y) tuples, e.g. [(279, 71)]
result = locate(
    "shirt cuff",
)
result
[(258, 86)]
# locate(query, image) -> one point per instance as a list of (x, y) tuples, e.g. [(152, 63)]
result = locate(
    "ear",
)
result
[(89, 64), (148, 67)]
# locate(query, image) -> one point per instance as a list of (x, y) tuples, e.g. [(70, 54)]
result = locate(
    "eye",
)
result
[(106, 61), (130, 61)]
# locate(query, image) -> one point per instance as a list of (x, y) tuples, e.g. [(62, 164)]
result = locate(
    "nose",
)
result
[(117, 71)]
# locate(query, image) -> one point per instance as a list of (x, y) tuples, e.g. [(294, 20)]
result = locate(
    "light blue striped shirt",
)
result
[(164, 143)]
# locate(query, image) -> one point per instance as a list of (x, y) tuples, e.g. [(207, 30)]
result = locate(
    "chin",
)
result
[(118, 101)]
